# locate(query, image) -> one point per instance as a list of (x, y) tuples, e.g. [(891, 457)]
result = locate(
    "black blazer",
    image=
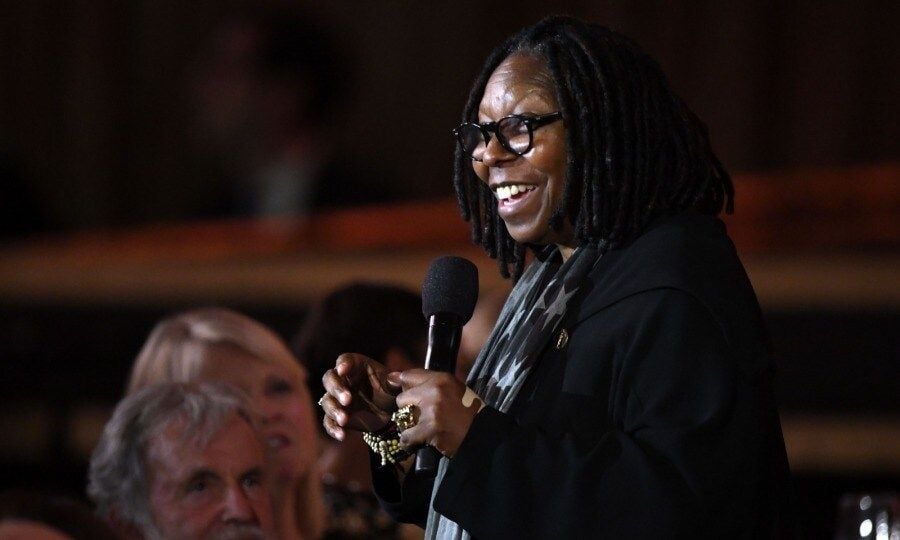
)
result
[(654, 419)]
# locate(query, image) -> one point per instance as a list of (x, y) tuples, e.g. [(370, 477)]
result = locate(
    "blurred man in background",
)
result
[(181, 462)]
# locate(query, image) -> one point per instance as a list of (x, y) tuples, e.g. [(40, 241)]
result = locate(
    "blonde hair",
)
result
[(174, 351)]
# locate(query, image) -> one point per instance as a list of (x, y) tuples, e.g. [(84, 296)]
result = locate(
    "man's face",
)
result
[(216, 492)]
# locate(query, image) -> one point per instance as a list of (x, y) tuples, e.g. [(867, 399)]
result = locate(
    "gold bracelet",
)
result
[(386, 444), (386, 441)]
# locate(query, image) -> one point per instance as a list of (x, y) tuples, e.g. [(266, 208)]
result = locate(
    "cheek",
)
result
[(193, 519), (174, 518), (305, 453), (262, 507), (299, 413), (481, 170), (551, 162), (550, 157), (174, 512)]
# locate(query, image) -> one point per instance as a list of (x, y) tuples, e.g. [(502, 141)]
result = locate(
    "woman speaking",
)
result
[(626, 390)]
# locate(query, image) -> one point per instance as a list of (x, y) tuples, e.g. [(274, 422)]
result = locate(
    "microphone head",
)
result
[(450, 286)]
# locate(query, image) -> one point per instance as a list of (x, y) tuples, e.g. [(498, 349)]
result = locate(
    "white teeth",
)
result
[(505, 192)]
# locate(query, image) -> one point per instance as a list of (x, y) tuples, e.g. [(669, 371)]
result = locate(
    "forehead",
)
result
[(223, 357), (173, 456), (520, 77), (229, 363)]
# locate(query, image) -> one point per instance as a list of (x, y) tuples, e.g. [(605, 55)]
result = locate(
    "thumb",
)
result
[(393, 381), (415, 377)]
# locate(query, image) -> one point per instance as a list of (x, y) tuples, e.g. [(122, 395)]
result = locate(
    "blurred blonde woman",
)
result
[(221, 345)]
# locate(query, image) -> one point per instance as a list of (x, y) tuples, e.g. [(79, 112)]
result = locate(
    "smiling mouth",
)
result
[(512, 192)]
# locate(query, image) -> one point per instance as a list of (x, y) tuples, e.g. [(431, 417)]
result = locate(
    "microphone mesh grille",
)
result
[(450, 286)]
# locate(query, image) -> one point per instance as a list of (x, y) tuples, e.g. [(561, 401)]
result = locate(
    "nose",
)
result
[(237, 507), (495, 154)]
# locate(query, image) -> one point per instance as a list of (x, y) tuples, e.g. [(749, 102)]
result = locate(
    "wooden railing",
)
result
[(807, 236)]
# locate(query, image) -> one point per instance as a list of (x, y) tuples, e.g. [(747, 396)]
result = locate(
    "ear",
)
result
[(397, 360)]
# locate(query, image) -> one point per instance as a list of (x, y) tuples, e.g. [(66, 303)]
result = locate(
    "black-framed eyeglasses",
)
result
[(515, 133)]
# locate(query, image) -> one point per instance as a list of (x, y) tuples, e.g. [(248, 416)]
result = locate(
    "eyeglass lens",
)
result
[(513, 133)]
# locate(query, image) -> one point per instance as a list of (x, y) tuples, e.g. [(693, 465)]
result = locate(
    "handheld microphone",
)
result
[(449, 294)]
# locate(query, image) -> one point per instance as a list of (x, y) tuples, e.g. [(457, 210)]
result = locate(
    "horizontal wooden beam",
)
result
[(842, 444), (821, 238)]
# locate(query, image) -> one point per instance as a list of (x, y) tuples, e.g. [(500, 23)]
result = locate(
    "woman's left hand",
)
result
[(444, 416)]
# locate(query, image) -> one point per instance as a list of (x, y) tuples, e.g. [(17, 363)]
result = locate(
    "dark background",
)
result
[(94, 136), (94, 112)]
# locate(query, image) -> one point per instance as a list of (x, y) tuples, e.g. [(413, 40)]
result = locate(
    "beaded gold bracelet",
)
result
[(386, 443)]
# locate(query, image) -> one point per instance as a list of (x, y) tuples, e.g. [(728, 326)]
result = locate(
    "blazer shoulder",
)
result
[(691, 253)]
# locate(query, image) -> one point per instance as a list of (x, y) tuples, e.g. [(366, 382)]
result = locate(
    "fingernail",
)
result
[(394, 377)]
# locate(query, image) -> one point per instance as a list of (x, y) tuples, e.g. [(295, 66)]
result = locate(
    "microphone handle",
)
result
[(444, 332)]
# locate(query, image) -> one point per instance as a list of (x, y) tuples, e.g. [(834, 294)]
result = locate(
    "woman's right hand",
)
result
[(357, 395)]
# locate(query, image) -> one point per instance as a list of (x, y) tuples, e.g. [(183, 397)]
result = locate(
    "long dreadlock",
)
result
[(634, 149)]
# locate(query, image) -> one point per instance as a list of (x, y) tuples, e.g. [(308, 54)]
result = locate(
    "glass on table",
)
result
[(868, 516)]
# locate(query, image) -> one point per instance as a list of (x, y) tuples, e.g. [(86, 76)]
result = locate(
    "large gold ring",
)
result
[(406, 417)]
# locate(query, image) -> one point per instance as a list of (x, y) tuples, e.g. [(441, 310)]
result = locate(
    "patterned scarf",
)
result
[(529, 319)]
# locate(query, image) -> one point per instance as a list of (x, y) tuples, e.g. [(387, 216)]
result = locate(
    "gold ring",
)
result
[(406, 417), (322, 400)]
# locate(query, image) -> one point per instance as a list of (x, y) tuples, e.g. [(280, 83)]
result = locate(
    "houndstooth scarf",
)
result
[(529, 318)]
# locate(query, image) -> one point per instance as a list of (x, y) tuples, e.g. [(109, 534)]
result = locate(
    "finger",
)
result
[(351, 365), (333, 429), (421, 433), (428, 387), (336, 386), (356, 368), (425, 400), (414, 396), (415, 377), (333, 410), (382, 381), (413, 437), (392, 382)]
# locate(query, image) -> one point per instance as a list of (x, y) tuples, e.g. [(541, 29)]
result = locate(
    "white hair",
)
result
[(118, 479)]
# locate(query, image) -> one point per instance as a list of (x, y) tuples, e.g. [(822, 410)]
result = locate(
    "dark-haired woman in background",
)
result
[(626, 391), (385, 323)]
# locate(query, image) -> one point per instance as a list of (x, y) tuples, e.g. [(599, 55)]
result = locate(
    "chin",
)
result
[(530, 238), (533, 229), (541, 236), (524, 234)]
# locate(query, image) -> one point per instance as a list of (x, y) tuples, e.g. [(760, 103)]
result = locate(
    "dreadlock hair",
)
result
[(634, 149)]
